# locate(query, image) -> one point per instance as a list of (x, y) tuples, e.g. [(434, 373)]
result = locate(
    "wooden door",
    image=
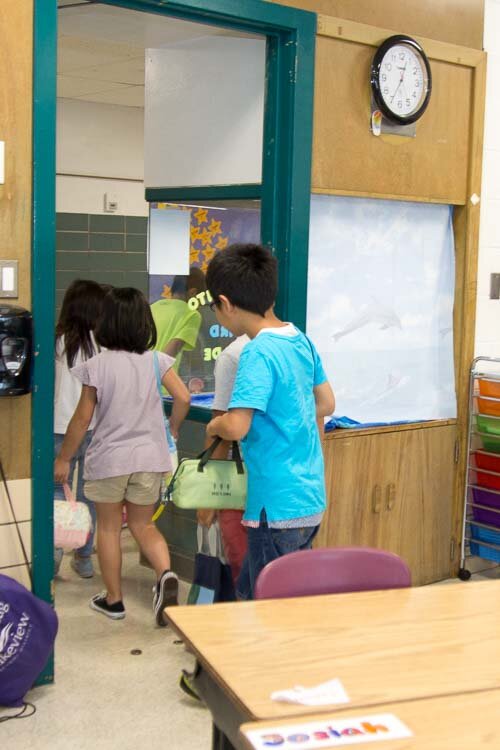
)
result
[(418, 501), (354, 495)]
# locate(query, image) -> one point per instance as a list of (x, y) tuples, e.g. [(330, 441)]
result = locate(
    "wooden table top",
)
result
[(384, 646), (470, 721)]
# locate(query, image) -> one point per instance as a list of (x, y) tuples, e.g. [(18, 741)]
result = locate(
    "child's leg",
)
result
[(147, 536), (109, 526), (234, 539), (266, 545)]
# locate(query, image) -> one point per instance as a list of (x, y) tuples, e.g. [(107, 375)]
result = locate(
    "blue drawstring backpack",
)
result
[(28, 628)]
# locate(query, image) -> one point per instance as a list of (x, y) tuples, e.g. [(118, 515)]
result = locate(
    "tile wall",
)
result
[(105, 248)]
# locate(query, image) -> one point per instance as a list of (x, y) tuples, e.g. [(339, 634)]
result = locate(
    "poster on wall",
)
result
[(380, 306), (209, 231)]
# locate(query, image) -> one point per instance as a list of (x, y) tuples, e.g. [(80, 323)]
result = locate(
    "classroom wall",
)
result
[(100, 149), (15, 243), (453, 21), (488, 311)]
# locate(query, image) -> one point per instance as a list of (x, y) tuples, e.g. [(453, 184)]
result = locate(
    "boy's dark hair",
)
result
[(126, 321), (247, 275), (182, 284), (80, 311)]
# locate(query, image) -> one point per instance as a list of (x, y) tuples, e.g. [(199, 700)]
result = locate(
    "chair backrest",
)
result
[(331, 571)]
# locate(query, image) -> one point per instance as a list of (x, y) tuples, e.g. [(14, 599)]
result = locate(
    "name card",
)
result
[(329, 733)]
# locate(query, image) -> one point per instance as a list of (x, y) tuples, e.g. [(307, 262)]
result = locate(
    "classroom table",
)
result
[(384, 646), (468, 721)]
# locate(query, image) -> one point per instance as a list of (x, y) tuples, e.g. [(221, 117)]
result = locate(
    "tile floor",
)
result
[(106, 698)]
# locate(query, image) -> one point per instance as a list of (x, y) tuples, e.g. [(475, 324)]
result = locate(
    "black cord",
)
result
[(22, 713)]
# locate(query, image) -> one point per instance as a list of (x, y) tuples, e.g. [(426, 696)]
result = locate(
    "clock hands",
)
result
[(401, 76)]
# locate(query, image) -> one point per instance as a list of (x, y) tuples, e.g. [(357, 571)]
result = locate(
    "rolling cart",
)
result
[(481, 524)]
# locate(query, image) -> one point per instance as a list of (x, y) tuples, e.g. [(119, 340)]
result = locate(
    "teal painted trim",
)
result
[(287, 163), (246, 15), (43, 294), (203, 193), (288, 123)]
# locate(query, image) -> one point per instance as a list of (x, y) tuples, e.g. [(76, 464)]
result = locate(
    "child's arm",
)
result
[(173, 347), (325, 401), (231, 426), (181, 400), (78, 426)]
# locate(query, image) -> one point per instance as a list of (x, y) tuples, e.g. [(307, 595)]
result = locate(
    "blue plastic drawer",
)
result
[(485, 535)]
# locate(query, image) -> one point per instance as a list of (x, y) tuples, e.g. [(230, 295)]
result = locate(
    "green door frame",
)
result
[(285, 194)]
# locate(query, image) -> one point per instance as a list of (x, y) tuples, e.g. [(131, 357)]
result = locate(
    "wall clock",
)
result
[(401, 79)]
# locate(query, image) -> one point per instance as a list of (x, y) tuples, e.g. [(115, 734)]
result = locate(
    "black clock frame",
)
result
[(375, 82)]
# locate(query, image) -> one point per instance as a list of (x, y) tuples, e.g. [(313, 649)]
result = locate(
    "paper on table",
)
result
[(320, 695)]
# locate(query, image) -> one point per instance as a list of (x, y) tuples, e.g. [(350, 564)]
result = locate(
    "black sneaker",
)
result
[(115, 611), (165, 594)]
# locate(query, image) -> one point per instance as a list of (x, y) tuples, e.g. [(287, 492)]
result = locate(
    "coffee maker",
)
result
[(16, 341)]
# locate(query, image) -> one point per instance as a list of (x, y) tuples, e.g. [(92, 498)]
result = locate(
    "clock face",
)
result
[(401, 79)]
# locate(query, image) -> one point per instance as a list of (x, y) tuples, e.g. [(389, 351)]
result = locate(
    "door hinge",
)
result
[(452, 548), (457, 450)]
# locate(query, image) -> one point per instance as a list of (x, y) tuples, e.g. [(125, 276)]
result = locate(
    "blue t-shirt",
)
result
[(282, 450)]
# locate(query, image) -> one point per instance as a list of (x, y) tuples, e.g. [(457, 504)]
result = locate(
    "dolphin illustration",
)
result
[(376, 313), (4, 636)]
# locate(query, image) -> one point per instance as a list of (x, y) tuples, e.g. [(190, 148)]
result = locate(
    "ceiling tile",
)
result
[(126, 96)]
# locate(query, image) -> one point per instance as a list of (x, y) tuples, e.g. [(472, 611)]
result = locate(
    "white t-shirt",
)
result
[(226, 367), (68, 389)]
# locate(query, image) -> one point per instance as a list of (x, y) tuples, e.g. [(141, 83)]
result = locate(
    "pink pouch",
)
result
[(72, 522)]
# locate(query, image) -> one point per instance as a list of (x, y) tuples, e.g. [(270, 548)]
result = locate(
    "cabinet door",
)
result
[(418, 501), (393, 491), (354, 493)]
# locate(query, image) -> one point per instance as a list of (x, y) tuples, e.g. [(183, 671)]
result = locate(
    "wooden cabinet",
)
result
[(393, 490)]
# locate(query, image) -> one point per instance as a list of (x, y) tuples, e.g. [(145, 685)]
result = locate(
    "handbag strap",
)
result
[(207, 454), (156, 365), (25, 555), (68, 494)]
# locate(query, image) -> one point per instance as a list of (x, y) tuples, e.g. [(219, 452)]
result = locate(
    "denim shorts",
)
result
[(265, 545)]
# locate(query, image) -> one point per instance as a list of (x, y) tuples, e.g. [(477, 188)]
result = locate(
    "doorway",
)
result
[(284, 192)]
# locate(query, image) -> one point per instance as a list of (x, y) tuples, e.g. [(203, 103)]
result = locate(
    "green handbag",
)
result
[(206, 482)]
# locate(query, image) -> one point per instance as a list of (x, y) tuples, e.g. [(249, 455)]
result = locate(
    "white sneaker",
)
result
[(165, 594)]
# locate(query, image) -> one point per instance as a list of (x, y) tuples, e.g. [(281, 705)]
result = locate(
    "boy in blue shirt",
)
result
[(280, 397)]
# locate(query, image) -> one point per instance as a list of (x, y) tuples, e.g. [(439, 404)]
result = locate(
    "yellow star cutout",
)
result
[(209, 253), (215, 227), (205, 237), (167, 293), (201, 215), (222, 243), (195, 233), (194, 255)]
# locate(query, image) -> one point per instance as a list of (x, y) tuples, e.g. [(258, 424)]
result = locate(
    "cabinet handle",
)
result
[(376, 499), (390, 496)]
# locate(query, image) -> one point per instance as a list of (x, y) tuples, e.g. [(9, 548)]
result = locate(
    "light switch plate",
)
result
[(8, 278)]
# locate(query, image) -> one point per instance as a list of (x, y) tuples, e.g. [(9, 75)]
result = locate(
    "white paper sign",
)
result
[(169, 241), (321, 695), (330, 732)]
